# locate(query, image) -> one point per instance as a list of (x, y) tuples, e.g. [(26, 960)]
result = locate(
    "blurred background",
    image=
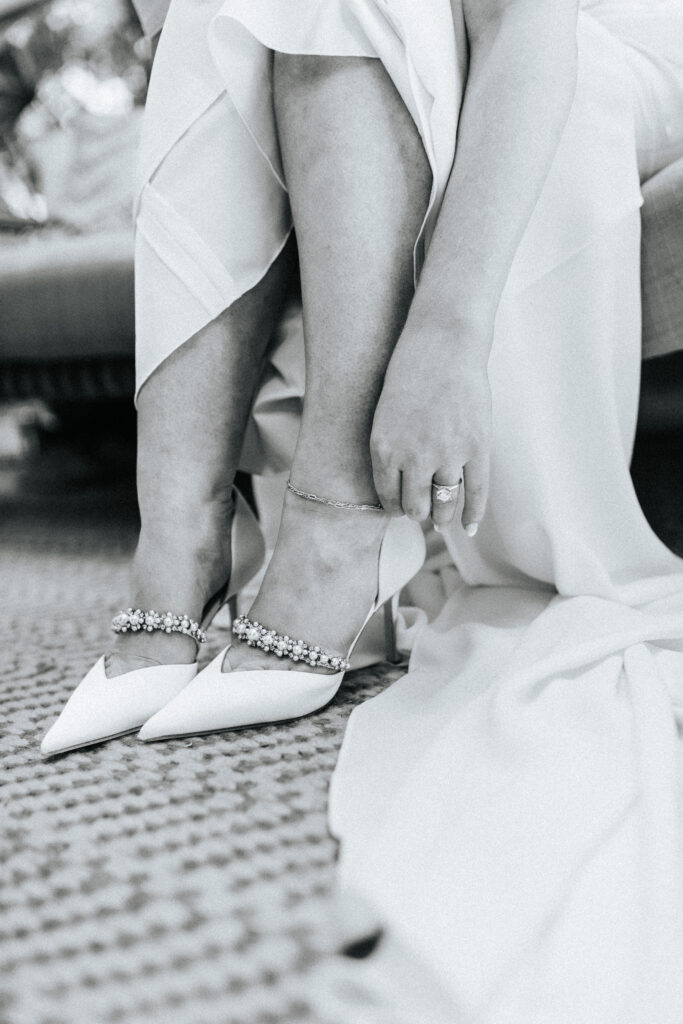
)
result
[(73, 78)]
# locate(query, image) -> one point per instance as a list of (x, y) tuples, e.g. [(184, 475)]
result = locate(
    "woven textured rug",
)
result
[(183, 882)]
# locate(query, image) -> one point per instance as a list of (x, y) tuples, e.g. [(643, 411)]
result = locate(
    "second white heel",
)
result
[(216, 700), (391, 651)]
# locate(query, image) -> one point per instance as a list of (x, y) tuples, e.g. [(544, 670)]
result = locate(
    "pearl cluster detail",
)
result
[(134, 619), (272, 642)]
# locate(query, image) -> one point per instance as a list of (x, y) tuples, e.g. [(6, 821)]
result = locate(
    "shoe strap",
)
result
[(134, 620), (271, 642)]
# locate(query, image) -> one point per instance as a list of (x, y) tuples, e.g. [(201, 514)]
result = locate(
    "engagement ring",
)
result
[(445, 492)]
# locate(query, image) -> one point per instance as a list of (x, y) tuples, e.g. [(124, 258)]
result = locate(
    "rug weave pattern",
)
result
[(182, 882)]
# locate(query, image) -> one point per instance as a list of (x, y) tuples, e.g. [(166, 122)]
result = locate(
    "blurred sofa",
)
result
[(661, 401), (72, 83), (66, 316)]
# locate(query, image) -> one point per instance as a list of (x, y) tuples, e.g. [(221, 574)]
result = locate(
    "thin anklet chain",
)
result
[(349, 505)]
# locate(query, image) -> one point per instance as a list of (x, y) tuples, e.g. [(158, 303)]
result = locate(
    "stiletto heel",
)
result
[(215, 700), (103, 708), (391, 650)]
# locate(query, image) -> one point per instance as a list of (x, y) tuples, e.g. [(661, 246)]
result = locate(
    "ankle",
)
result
[(332, 486), (180, 568), (331, 532), (187, 516), (131, 651), (334, 478), (197, 531)]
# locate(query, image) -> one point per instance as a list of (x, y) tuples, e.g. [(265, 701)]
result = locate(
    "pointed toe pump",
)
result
[(102, 707), (216, 701)]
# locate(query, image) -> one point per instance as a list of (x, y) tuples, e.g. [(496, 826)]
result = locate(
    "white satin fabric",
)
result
[(510, 809)]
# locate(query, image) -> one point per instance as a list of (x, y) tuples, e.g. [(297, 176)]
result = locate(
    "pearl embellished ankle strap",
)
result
[(256, 635), (134, 619), (349, 505)]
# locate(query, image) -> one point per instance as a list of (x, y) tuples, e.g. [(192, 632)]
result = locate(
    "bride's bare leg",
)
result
[(191, 421), (359, 184)]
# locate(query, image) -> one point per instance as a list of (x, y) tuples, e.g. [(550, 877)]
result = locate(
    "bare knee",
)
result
[(308, 69)]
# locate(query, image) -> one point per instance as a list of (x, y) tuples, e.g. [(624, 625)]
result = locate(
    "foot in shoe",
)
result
[(179, 571), (320, 583)]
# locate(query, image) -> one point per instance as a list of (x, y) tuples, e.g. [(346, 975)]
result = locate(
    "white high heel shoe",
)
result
[(215, 700), (103, 708)]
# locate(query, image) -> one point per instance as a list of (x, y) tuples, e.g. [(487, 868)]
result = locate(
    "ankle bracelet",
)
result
[(255, 635), (134, 619), (349, 505)]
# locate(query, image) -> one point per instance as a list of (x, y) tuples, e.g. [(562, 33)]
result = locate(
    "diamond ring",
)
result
[(444, 492)]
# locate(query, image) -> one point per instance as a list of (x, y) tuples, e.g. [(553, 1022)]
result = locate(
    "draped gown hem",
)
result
[(511, 807)]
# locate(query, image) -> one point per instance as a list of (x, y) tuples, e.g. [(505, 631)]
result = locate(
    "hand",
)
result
[(433, 424)]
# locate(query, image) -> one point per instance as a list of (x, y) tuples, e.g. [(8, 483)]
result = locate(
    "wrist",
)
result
[(438, 333)]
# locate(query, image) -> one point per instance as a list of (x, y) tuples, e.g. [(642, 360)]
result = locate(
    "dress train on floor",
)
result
[(509, 810)]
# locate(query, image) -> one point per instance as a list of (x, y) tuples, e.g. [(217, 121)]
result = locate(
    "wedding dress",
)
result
[(510, 810)]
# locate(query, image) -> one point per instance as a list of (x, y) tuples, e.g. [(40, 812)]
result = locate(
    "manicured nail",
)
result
[(471, 529), (438, 528)]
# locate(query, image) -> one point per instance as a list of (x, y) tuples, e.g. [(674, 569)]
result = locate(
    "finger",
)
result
[(443, 512), (387, 482), (416, 493), (476, 477)]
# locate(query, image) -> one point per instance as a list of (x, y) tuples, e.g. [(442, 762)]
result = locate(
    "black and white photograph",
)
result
[(341, 511)]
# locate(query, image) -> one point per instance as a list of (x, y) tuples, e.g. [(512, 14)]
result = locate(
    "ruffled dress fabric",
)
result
[(511, 808)]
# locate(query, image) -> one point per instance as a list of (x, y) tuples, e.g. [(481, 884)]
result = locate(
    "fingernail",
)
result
[(471, 529), (438, 528)]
